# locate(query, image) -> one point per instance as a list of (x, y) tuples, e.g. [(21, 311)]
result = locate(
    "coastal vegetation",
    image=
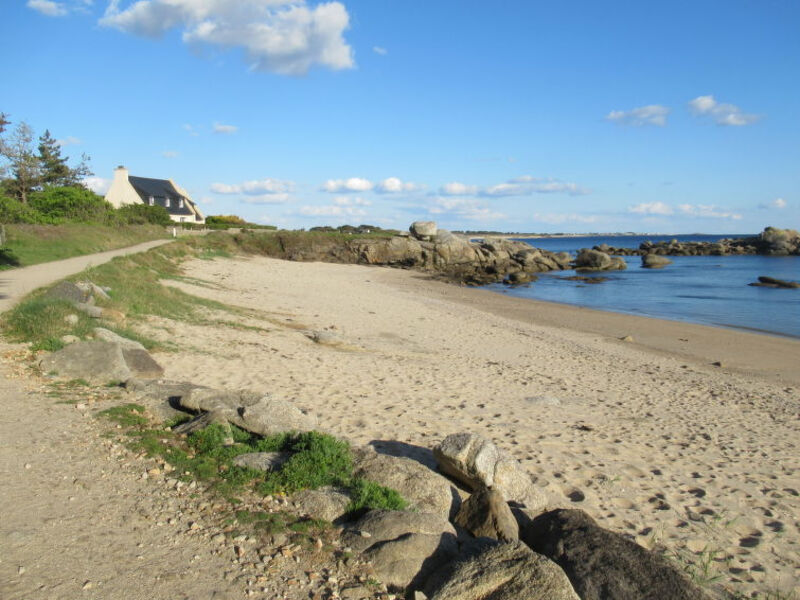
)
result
[(317, 459)]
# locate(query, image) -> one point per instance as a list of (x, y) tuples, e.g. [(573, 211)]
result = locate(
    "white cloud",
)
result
[(170, 154), (777, 203), (225, 129), (48, 8), (98, 185), (393, 185), (354, 184), (652, 208), (256, 187), (707, 211), (722, 114), (70, 140), (379, 50), (527, 185), (332, 211), (281, 36), (561, 218), (267, 199), (652, 114), (456, 188), (465, 208), (347, 201)]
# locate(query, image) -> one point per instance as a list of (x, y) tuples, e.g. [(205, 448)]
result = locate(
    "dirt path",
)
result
[(80, 516), (82, 519), (16, 283)]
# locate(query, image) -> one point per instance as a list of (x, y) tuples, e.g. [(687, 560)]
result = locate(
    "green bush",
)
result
[(142, 214), (318, 459), (63, 204), (14, 211)]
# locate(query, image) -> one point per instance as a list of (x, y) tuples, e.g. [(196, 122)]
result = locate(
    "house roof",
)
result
[(161, 190)]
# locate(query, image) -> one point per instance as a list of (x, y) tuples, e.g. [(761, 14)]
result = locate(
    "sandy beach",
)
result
[(648, 436)]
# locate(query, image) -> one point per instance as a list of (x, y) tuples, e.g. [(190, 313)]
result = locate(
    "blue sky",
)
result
[(518, 116)]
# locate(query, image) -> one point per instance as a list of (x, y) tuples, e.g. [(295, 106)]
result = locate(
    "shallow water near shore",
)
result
[(710, 290)]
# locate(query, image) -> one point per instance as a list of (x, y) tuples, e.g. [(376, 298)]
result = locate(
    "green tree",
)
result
[(55, 170), (24, 164)]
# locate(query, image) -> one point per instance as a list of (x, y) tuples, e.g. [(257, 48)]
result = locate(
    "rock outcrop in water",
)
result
[(436, 251), (770, 242)]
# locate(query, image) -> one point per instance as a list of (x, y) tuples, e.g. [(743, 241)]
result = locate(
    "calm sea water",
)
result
[(710, 290)]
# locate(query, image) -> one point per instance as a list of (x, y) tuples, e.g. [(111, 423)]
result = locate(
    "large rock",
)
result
[(424, 489), (486, 514), (423, 230), (500, 572), (106, 335), (327, 503), (603, 565), (403, 547), (655, 261), (257, 413), (764, 281), (141, 364), (477, 463), (262, 461), (66, 290), (381, 525), (94, 361), (594, 260)]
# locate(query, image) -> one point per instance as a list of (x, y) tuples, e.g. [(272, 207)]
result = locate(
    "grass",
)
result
[(34, 244), (317, 460), (127, 415)]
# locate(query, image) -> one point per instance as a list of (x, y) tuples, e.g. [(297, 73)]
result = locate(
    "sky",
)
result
[(527, 116)]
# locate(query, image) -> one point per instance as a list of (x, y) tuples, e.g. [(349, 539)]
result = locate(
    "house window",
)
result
[(166, 202), (180, 203), (151, 201)]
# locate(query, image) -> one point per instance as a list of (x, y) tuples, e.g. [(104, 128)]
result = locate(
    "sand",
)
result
[(649, 436)]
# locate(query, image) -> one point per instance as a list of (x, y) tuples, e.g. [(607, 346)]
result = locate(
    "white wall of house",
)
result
[(121, 192)]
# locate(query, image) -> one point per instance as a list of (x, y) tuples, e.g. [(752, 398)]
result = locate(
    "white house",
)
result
[(127, 189)]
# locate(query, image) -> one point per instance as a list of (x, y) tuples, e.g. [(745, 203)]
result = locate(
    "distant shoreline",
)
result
[(478, 234)]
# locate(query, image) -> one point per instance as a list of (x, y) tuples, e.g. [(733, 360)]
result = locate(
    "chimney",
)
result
[(121, 173)]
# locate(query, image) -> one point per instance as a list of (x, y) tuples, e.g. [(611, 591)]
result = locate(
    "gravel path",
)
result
[(16, 283)]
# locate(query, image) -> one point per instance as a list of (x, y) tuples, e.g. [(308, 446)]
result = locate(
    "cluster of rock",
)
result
[(475, 528), (83, 295), (437, 251), (770, 242)]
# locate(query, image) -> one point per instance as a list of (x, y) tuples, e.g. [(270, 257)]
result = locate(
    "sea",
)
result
[(710, 290)]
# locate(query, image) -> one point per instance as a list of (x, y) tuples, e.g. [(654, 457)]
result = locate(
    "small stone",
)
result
[(81, 406), (154, 471), (365, 534), (27, 465), (718, 363), (218, 538), (240, 552), (627, 338), (71, 319), (87, 585), (21, 571)]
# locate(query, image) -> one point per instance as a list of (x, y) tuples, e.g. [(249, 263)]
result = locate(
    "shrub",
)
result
[(319, 459), (14, 211), (59, 204), (142, 214)]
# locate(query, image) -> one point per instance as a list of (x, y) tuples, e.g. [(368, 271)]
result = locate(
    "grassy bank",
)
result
[(33, 244), (135, 288)]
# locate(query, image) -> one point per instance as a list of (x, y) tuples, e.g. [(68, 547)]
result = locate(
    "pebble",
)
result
[(21, 571), (27, 465), (87, 585)]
